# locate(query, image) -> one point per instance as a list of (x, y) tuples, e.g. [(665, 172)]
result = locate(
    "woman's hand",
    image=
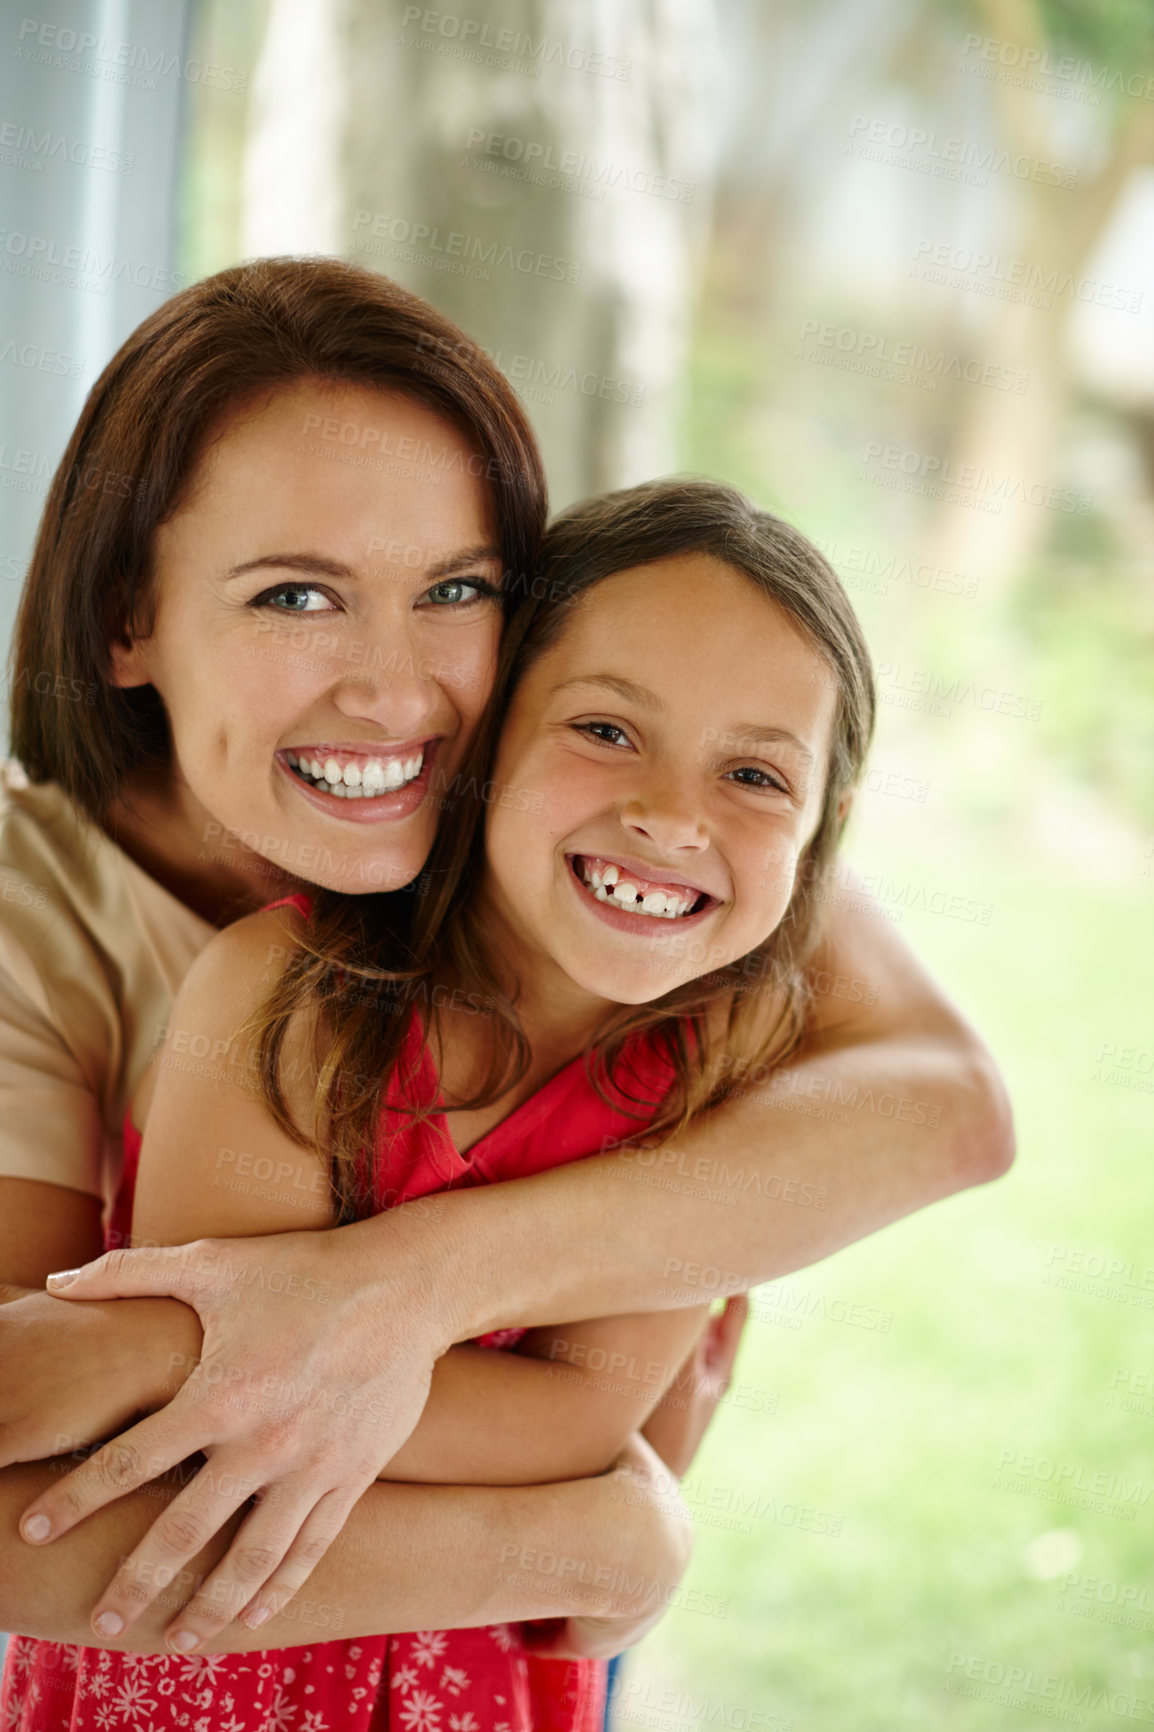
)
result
[(314, 1371), (74, 1374)]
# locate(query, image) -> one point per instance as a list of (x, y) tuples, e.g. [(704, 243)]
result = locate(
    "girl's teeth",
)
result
[(607, 885), (351, 775)]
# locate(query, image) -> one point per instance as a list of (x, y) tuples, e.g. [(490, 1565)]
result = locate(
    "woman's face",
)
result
[(326, 630), (661, 770)]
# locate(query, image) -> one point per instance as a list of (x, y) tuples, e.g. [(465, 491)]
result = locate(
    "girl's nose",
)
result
[(668, 821)]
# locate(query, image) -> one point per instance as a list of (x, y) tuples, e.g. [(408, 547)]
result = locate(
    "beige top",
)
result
[(92, 951)]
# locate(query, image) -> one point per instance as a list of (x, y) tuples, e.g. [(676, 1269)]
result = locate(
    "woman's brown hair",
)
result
[(727, 1027), (218, 343)]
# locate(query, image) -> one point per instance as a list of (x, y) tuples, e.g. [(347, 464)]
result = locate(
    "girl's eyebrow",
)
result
[(626, 689), (317, 565), (746, 734)]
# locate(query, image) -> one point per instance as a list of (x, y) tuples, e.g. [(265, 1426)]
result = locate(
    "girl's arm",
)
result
[(212, 1162), (407, 1558), (893, 1104)]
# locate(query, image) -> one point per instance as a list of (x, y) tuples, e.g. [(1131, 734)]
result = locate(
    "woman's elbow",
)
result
[(983, 1142)]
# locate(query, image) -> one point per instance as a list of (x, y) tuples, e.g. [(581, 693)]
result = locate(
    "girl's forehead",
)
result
[(699, 638)]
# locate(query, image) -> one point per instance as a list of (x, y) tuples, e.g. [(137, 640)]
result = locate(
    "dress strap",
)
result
[(300, 900)]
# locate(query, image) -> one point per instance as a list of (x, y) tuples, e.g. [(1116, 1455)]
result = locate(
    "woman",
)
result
[(197, 836)]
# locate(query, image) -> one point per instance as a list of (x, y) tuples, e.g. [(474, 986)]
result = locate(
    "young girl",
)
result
[(689, 704)]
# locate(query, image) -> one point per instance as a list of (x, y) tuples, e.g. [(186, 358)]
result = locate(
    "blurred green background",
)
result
[(911, 254)]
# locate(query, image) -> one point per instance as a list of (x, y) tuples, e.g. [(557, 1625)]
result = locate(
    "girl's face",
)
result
[(326, 630), (660, 773)]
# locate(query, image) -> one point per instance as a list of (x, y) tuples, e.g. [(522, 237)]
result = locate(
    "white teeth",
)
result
[(624, 891), (654, 903), (607, 885), (610, 876), (373, 778), (332, 771), (601, 893), (394, 775), (351, 775)]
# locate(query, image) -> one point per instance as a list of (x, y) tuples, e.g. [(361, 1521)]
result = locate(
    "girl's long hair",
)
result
[(362, 983)]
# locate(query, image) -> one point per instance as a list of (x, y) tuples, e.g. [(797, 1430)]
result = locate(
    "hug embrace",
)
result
[(413, 880)]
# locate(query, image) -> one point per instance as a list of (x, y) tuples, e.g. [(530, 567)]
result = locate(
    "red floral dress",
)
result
[(481, 1680)]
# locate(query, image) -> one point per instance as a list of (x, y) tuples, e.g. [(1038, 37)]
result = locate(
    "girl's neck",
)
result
[(558, 1018)]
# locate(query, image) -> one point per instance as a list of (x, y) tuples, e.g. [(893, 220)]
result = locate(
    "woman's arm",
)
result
[(916, 1110), (212, 1162), (380, 1575)]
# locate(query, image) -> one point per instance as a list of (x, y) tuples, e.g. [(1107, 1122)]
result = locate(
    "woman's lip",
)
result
[(645, 925), (390, 754), (385, 808)]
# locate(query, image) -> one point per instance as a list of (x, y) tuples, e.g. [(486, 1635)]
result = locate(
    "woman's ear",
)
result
[(128, 662)]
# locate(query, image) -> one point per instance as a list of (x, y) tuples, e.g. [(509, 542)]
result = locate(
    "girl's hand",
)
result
[(674, 1430), (313, 1373), (645, 1496), (74, 1374), (681, 1418)]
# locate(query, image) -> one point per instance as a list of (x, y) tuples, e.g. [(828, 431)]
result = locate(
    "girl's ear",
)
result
[(128, 662)]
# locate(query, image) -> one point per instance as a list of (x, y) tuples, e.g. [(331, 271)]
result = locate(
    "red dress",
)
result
[(482, 1680)]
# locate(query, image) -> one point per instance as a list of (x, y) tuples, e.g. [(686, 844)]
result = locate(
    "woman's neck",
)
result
[(162, 827)]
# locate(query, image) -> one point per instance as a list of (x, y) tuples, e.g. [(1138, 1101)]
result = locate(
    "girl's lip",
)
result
[(381, 808), (628, 867), (644, 925)]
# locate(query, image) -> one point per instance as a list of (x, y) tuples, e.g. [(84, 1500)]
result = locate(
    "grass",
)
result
[(955, 1563)]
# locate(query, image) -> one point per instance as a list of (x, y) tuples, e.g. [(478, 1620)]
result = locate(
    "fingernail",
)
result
[(36, 1527), (254, 1620), (183, 1641), (64, 1278), (108, 1623)]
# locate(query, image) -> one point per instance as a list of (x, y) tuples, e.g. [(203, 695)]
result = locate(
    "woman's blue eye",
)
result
[(455, 591), (293, 598)]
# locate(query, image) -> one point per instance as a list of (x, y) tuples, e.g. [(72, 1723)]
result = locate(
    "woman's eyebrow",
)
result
[(317, 565), (312, 564), (461, 561)]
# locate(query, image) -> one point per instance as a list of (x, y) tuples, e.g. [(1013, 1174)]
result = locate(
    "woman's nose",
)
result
[(389, 686)]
